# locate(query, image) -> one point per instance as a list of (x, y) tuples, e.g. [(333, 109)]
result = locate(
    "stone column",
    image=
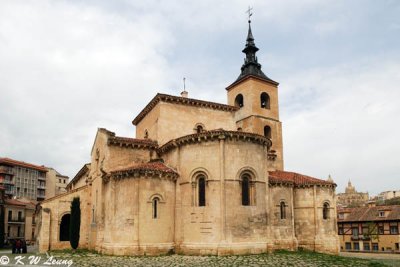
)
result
[(222, 187)]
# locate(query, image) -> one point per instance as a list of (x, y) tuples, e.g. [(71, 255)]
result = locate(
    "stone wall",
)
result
[(52, 211)]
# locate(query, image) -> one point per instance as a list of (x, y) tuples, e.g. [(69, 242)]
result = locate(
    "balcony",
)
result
[(5, 170), (6, 181), (16, 220), (40, 186), (43, 178)]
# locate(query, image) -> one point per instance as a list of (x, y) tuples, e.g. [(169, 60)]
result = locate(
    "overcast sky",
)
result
[(69, 67)]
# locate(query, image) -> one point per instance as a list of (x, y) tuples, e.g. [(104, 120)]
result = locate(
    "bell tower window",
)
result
[(265, 101), (239, 101)]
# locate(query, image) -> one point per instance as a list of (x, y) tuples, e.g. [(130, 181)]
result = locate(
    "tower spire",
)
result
[(251, 65)]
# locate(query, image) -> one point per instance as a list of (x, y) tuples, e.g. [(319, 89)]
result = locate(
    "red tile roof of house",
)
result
[(16, 202), (296, 179), (182, 101), (368, 214), (12, 162)]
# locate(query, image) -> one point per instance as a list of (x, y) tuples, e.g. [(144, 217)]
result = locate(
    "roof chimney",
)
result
[(184, 94)]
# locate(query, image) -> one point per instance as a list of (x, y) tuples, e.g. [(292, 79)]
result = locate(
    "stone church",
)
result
[(199, 178)]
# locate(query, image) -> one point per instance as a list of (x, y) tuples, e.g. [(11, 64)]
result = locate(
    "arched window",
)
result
[(239, 101), (146, 134), (199, 129), (283, 210), (155, 202), (201, 188), (267, 131), (325, 211), (239, 129), (246, 190), (264, 98), (64, 227)]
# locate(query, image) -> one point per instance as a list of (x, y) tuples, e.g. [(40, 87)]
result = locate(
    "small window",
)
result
[(341, 216), (375, 246), (366, 246), (381, 230), (283, 210), (394, 230), (356, 245), (155, 207), (265, 102), (348, 246), (202, 191), (340, 231), (381, 213), (267, 131), (199, 129), (239, 129), (325, 211), (354, 231), (146, 134), (239, 101)]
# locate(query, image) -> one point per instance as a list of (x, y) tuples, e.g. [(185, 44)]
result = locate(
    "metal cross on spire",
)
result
[(249, 12)]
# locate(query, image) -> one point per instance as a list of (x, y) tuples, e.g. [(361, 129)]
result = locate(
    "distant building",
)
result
[(367, 229), (388, 195), (23, 179), (55, 183), (351, 198), (26, 180), (19, 220)]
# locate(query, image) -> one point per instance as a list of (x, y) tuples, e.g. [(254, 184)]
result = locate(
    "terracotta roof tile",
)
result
[(276, 177), (214, 134), (159, 167), (13, 162), (132, 141), (367, 214), (182, 101)]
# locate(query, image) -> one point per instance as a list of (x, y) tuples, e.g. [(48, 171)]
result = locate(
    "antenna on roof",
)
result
[(184, 93)]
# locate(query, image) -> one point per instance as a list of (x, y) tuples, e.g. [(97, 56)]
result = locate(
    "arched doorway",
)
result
[(64, 227)]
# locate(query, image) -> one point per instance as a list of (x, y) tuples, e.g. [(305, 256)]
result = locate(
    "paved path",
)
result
[(306, 259)]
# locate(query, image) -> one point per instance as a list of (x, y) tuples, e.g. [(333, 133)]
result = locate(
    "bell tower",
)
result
[(257, 97)]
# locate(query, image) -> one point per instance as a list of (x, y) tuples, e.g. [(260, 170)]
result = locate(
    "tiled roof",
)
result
[(214, 134), (368, 214), (12, 162), (16, 202), (117, 140), (145, 168), (182, 101), (296, 179)]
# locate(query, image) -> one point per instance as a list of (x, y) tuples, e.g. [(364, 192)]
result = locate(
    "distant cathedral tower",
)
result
[(257, 97)]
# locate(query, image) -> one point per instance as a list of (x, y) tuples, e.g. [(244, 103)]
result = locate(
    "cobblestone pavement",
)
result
[(85, 258)]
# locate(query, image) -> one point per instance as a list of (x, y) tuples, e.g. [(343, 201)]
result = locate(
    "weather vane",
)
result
[(249, 12)]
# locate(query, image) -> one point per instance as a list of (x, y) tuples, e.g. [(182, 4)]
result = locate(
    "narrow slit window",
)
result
[(202, 191), (267, 131), (155, 207), (245, 191), (283, 210), (325, 211)]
